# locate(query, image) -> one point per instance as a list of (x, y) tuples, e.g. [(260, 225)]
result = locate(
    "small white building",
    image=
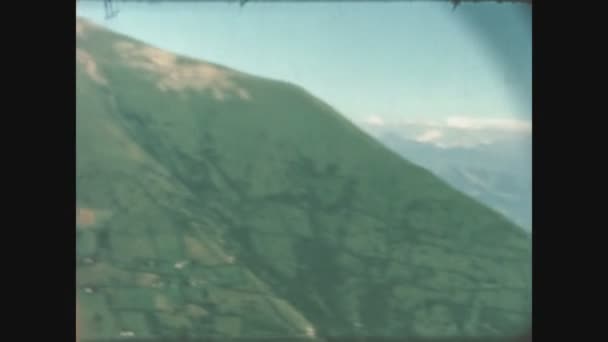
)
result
[(181, 264), (127, 333)]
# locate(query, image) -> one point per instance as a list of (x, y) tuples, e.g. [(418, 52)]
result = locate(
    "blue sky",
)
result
[(386, 62)]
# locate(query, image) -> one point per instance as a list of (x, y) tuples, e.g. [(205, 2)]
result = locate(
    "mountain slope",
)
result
[(211, 202)]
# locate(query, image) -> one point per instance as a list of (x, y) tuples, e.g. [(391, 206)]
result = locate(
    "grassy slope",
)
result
[(327, 228)]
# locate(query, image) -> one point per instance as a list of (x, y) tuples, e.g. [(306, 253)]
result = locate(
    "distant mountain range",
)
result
[(499, 174), (213, 203)]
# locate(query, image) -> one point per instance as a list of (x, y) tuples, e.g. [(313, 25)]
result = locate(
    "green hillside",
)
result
[(215, 203)]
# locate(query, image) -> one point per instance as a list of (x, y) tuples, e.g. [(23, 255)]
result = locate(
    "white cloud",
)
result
[(455, 131), (497, 124), (430, 135), (374, 120)]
